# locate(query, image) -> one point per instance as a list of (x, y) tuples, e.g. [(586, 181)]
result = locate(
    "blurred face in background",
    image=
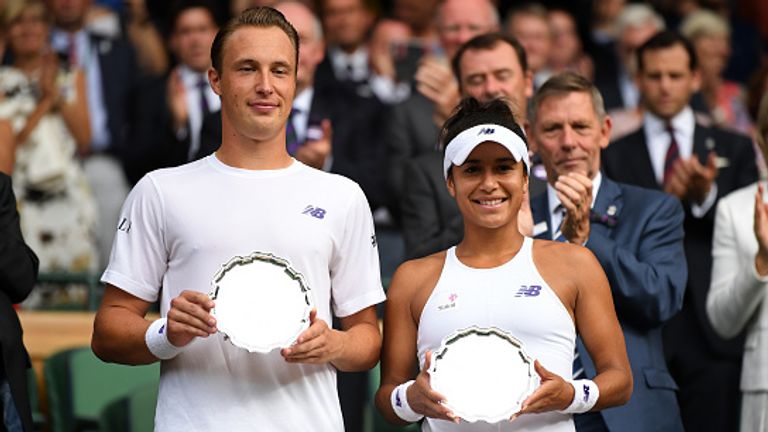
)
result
[(418, 14), (311, 45), (533, 33), (461, 20), (488, 74), (69, 14), (666, 81), (712, 52), (346, 23), (566, 45), (192, 38), (28, 32)]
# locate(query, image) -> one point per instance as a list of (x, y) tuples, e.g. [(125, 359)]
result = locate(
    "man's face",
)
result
[(257, 82), (569, 135), (533, 33), (488, 74), (311, 46), (666, 82), (192, 38), (69, 14), (461, 20), (346, 22)]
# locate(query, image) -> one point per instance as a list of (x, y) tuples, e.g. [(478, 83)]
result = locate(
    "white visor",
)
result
[(457, 151)]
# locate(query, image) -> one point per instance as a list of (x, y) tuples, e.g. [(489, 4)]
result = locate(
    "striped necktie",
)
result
[(578, 368), (673, 153)]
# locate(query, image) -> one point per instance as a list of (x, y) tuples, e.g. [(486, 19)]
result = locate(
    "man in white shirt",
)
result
[(179, 226), (698, 164)]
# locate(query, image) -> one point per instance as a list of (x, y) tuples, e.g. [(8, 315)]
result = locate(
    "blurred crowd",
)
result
[(95, 94)]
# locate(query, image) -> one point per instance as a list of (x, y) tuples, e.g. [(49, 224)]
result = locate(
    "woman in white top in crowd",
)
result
[(542, 292), (739, 286)]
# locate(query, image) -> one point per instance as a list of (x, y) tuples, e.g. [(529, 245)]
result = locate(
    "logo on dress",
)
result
[(313, 211), (528, 291), (450, 304), (125, 225)]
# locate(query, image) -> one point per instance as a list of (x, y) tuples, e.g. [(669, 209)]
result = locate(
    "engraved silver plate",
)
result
[(262, 303), (483, 373)]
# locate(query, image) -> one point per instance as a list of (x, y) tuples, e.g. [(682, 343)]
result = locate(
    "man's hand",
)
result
[(176, 97), (190, 317), (761, 232), (319, 344), (575, 193), (435, 80), (691, 180), (314, 152), (554, 393)]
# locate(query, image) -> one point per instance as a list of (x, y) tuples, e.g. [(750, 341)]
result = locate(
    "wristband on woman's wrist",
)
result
[(585, 395), (399, 400), (157, 340)]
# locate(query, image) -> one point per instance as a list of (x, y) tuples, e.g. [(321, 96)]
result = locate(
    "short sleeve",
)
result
[(139, 257), (355, 275)]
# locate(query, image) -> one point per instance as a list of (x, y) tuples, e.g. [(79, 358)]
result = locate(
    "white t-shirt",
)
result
[(180, 225)]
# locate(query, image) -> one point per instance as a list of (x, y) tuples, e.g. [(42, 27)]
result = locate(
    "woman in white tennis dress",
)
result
[(539, 292)]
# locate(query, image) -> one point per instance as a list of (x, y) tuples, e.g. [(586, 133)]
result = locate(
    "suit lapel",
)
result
[(608, 202), (639, 162)]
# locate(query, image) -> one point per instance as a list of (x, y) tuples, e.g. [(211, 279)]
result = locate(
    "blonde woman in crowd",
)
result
[(43, 126)]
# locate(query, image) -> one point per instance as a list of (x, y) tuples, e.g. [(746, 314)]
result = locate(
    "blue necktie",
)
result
[(578, 368), (202, 83)]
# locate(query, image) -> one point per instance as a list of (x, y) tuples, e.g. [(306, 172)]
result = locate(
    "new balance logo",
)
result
[(528, 291), (486, 131), (313, 211), (586, 393)]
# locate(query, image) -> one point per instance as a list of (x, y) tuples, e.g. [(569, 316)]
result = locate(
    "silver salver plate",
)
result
[(261, 302), (483, 373)]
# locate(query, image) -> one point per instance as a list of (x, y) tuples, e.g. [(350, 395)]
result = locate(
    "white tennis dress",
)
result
[(513, 297)]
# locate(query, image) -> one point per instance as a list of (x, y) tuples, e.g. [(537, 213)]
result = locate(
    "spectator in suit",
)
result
[(615, 69), (111, 75), (636, 234), (529, 24), (487, 67), (189, 96), (567, 51), (18, 271), (737, 294), (389, 86), (412, 126), (698, 164)]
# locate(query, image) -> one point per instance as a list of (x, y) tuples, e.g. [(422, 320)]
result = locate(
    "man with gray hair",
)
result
[(614, 75), (636, 234)]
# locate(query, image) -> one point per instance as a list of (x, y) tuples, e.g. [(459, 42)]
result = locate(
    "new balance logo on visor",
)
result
[(486, 131), (528, 291)]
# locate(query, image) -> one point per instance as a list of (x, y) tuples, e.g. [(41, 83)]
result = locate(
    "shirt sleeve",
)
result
[(139, 256), (355, 276)]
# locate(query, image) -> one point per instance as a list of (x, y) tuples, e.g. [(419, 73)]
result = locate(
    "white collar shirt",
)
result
[(302, 103), (350, 66)]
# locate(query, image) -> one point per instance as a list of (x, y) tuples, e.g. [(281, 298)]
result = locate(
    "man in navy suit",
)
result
[(698, 164), (636, 235)]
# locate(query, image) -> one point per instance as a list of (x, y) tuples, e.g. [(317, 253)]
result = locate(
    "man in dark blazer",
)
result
[(698, 164), (636, 234), (18, 271)]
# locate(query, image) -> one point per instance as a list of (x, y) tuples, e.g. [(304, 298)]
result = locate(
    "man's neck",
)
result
[(239, 151)]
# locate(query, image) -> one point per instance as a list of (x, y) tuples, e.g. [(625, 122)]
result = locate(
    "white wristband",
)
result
[(585, 395), (399, 400), (157, 340)]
